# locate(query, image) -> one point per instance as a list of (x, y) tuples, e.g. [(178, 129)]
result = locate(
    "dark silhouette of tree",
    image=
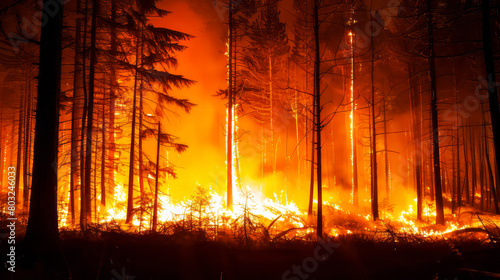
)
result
[(42, 223), (492, 86)]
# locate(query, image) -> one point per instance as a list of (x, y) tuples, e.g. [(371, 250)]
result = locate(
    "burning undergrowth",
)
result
[(255, 220)]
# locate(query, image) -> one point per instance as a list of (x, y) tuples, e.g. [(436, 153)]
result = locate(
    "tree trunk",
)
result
[(140, 159), (130, 194), (83, 184), (374, 175), (103, 154), (112, 102), (155, 207), (473, 165), (435, 127), (355, 187), (229, 144), (386, 153), (75, 116), (90, 111), (492, 85), (42, 222), (27, 143), (317, 94), (19, 145)]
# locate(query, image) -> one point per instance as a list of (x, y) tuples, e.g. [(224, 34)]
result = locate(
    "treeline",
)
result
[(80, 96), (403, 93)]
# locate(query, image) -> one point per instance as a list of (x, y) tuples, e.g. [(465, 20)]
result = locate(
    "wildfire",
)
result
[(207, 209)]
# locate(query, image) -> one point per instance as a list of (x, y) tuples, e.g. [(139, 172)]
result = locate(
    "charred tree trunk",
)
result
[(466, 159), (155, 207), (83, 183), (374, 175), (386, 153), (42, 227), (473, 166), (103, 154), (140, 159), (229, 156), (27, 143), (19, 145), (90, 111), (112, 101), (435, 126), (75, 116), (459, 182), (317, 94), (130, 195), (492, 85)]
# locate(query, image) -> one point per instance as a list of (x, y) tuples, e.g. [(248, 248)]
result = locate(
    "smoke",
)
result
[(203, 129)]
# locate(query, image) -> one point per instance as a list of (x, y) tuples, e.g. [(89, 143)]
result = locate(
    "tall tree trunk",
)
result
[(130, 195), (492, 85), (140, 159), (473, 165), (355, 183), (386, 153), (482, 181), (317, 94), (229, 144), (42, 227), (103, 153), (489, 172), (83, 183), (19, 144), (466, 159), (90, 111), (27, 142), (459, 182), (112, 101), (435, 126), (155, 207), (374, 175), (75, 116)]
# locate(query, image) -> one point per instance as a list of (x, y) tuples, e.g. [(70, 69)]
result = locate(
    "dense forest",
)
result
[(366, 120)]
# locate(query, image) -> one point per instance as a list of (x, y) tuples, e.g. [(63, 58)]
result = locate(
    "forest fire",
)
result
[(254, 139)]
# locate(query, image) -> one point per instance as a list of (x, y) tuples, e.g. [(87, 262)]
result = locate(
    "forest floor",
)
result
[(117, 256)]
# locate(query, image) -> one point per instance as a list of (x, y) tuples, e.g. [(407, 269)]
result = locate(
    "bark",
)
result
[(473, 166), (112, 101), (374, 175), (90, 110), (75, 116), (19, 145), (386, 153), (317, 94), (155, 207), (27, 143), (42, 227), (83, 184), (229, 156), (103, 154), (435, 126), (492, 85), (130, 194)]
